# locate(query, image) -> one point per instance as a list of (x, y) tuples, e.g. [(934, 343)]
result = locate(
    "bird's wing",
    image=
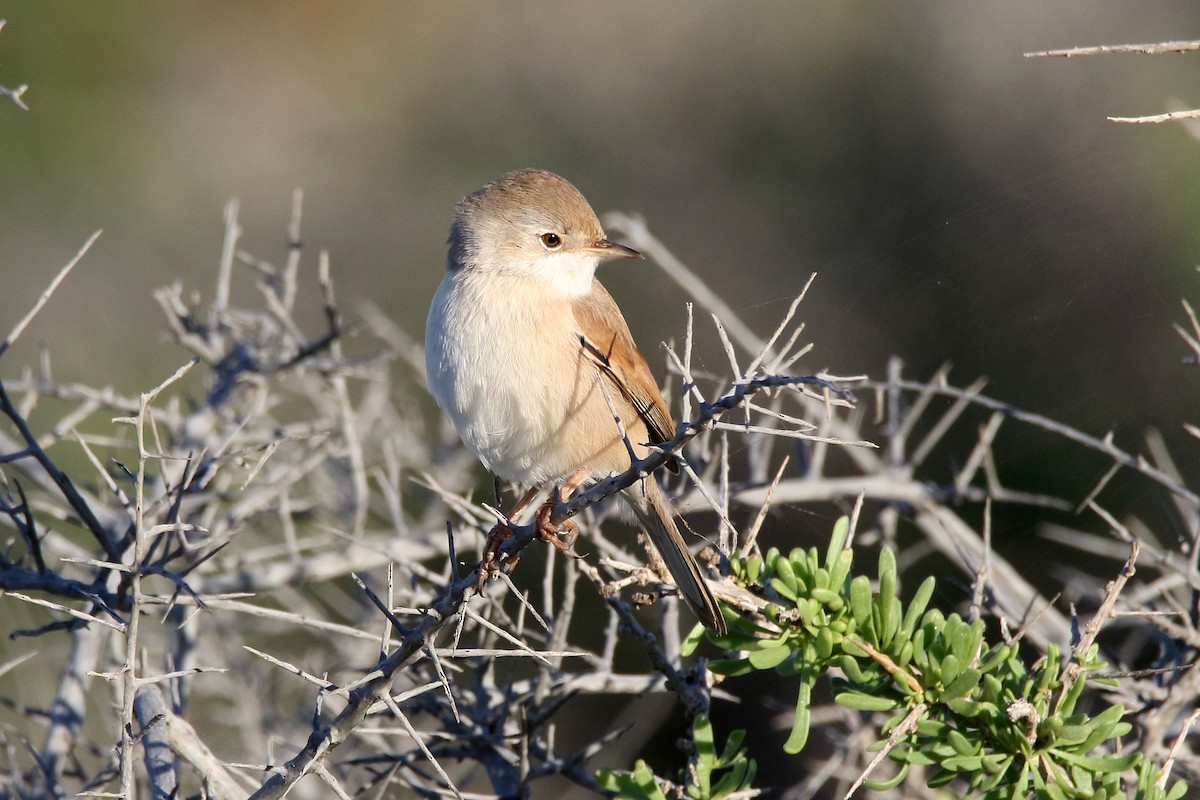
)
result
[(607, 342)]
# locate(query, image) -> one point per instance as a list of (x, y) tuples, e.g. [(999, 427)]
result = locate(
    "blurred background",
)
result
[(958, 201)]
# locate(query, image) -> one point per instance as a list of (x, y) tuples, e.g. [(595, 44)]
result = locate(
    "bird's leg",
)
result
[(498, 535), (548, 531)]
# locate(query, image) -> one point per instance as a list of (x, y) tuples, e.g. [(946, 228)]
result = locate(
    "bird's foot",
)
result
[(490, 563), (549, 532), (561, 535)]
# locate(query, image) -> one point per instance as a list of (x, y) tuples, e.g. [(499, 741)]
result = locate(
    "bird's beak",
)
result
[(606, 249)]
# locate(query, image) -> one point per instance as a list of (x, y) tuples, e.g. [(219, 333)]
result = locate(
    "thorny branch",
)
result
[(219, 562)]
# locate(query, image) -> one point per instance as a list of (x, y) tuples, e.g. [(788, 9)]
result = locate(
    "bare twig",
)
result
[(19, 328), (14, 94), (238, 527), (1170, 116), (1156, 48)]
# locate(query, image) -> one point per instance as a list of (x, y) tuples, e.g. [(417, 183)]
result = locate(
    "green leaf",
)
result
[(941, 778), (887, 594), (1067, 706), (905, 655), (837, 540), (1081, 777), (865, 702), (993, 779), (754, 568), (919, 656), (919, 758), (732, 667), (893, 623), (647, 781), (1049, 728), (785, 570), (770, 658), (933, 728), (959, 637), (694, 637), (860, 600), (769, 643), (732, 780), (638, 785), (851, 669), (839, 570), (972, 642), (770, 559), (966, 708), (820, 579), (614, 781), (794, 663), (1103, 727), (1051, 790), (1072, 735), (891, 722), (751, 771), (940, 751), (966, 681), (949, 668), (961, 744), (808, 609), (852, 649), (917, 606), (996, 763), (1047, 676), (963, 763), (823, 644), (827, 597), (994, 656), (889, 783), (803, 718), (733, 743), (1109, 762), (706, 754), (781, 586), (702, 738)]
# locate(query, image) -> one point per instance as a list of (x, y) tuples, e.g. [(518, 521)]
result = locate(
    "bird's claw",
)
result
[(497, 536), (549, 532)]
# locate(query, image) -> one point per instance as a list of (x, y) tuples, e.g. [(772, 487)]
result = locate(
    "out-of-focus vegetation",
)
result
[(957, 200)]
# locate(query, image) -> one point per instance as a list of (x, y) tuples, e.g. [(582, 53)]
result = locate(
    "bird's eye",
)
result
[(552, 241)]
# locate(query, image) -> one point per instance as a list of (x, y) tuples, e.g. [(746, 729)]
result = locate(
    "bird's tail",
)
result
[(656, 517)]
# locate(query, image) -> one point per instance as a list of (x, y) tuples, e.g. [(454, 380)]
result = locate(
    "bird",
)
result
[(530, 357)]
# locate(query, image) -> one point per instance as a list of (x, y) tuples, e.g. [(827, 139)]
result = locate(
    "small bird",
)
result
[(529, 355)]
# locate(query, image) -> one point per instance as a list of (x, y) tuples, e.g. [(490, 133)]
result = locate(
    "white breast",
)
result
[(502, 355)]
